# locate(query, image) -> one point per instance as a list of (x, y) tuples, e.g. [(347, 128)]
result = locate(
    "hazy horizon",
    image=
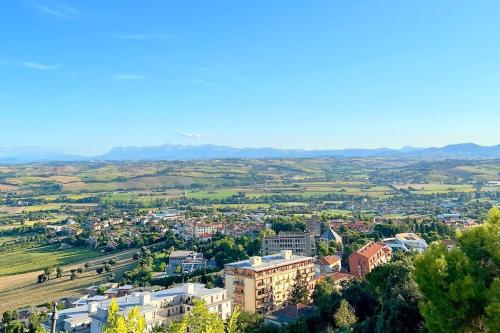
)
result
[(5, 150)]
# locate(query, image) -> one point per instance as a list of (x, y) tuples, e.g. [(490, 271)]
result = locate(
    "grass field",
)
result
[(22, 289), (436, 188), (216, 194), (28, 260)]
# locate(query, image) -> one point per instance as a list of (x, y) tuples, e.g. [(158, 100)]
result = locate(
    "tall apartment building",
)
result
[(300, 243), (157, 308), (265, 284), (368, 257)]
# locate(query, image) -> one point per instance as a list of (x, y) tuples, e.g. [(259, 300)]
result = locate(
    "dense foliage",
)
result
[(461, 286)]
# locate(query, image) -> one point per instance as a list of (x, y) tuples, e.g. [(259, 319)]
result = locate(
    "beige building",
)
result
[(300, 243), (265, 284)]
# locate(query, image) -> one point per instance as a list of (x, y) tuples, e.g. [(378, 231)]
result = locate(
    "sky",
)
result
[(86, 76)]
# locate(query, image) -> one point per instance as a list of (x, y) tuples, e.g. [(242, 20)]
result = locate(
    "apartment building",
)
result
[(157, 308), (300, 243), (264, 284), (368, 257)]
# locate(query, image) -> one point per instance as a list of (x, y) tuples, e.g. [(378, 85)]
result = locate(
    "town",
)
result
[(249, 166), (266, 265)]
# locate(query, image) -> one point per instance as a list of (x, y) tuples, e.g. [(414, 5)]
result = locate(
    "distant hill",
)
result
[(170, 152), (180, 152)]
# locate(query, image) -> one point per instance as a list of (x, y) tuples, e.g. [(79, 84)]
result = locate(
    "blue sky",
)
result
[(85, 76)]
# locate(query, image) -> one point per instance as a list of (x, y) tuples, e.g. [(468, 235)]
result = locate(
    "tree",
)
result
[(15, 327), (8, 316), (107, 267), (345, 317), (162, 267), (398, 296), (248, 322), (300, 293), (48, 271), (322, 249), (73, 276), (117, 323), (35, 322), (59, 272), (460, 286), (232, 322), (199, 320), (42, 278), (326, 297), (101, 290)]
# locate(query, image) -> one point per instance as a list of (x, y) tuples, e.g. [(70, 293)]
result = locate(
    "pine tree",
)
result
[(300, 294), (345, 317)]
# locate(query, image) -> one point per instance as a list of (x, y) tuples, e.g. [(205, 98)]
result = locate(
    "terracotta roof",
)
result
[(340, 276), (329, 260), (370, 249)]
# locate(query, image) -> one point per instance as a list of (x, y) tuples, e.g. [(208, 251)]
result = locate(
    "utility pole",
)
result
[(53, 318)]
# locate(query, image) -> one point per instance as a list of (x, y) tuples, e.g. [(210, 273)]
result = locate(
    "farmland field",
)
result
[(31, 259), (49, 194), (35, 294)]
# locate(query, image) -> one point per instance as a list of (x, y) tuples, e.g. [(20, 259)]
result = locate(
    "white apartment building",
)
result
[(157, 308)]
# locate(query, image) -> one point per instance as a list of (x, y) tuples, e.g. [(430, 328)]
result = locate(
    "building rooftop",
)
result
[(331, 235), (408, 236), (329, 260), (266, 262), (291, 313), (126, 302), (370, 249), (176, 254)]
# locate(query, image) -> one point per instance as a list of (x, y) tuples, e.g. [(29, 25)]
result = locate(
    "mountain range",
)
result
[(171, 152)]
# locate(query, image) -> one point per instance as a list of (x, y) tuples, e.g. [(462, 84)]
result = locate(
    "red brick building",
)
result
[(368, 257)]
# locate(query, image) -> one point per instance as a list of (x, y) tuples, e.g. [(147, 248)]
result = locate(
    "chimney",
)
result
[(144, 298), (255, 261), (189, 288), (92, 307), (286, 254)]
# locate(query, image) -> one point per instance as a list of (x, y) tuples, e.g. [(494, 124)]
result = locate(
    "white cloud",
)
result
[(194, 135), (39, 66), (62, 12), (145, 36), (128, 76)]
